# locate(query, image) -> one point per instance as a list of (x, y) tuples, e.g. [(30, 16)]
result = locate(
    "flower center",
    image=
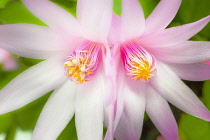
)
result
[(83, 63), (139, 64)]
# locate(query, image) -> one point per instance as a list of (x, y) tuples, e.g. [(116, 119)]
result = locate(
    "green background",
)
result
[(18, 125)]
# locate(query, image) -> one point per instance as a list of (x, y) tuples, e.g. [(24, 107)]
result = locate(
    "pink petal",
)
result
[(110, 84), (183, 52), (9, 63), (53, 15), (119, 106), (89, 110), (113, 96), (133, 22), (161, 115), (131, 121), (29, 40), (123, 130), (114, 76), (160, 138), (95, 17), (31, 84), (114, 107), (162, 15), (114, 34), (174, 35), (192, 72), (57, 113), (171, 88)]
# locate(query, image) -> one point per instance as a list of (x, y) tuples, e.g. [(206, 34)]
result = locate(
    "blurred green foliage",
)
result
[(206, 93), (13, 11), (69, 5), (191, 128)]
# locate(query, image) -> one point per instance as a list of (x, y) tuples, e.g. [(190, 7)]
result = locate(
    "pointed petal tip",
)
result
[(173, 136), (161, 115), (162, 15), (168, 138), (207, 19), (174, 35), (205, 116), (202, 113)]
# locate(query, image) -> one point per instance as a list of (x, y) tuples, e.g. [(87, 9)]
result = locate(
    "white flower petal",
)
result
[(162, 15), (171, 88), (161, 115), (95, 17), (53, 15), (192, 72), (109, 121), (135, 106), (133, 21), (174, 35), (57, 113), (89, 110), (31, 84), (183, 52), (29, 40)]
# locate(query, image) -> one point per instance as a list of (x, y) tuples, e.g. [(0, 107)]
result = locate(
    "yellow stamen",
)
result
[(141, 70), (77, 69)]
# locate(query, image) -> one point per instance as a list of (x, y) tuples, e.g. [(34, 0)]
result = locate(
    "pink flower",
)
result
[(74, 49), (153, 61), (207, 62), (9, 63), (162, 138)]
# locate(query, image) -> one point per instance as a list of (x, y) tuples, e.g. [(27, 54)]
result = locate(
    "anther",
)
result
[(139, 64), (82, 64)]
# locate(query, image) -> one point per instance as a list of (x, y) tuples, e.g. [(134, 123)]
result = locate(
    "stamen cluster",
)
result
[(84, 61), (139, 64)]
